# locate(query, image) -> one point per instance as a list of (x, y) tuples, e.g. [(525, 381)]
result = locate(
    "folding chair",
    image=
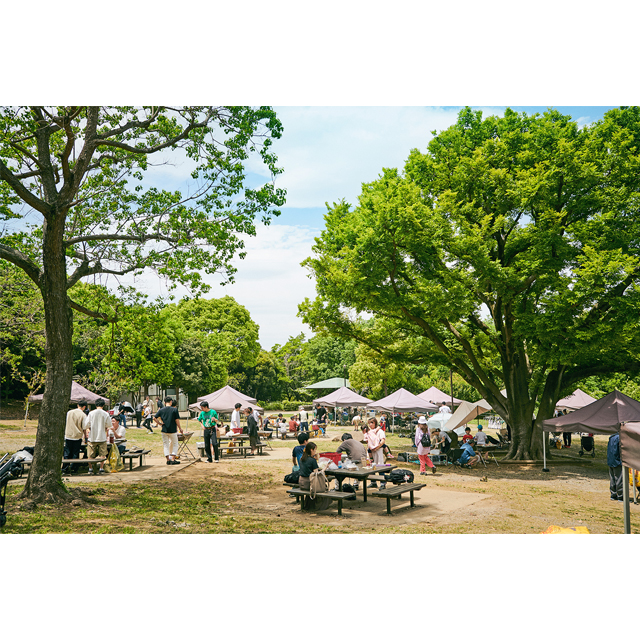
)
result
[(183, 447)]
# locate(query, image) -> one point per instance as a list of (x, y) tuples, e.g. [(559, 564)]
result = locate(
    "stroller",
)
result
[(587, 444)]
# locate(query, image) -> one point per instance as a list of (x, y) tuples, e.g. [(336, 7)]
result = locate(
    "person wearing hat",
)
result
[(423, 452), (481, 436)]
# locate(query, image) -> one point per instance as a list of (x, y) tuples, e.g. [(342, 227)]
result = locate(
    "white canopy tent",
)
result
[(466, 412)]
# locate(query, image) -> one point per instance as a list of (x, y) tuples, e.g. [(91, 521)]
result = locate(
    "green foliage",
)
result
[(507, 252)]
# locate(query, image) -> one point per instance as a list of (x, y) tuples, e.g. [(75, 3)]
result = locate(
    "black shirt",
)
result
[(168, 415), (307, 466)]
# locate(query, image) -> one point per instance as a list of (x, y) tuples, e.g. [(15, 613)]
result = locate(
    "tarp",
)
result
[(630, 445), (225, 399), (602, 416), (77, 393), (439, 421), (330, 383), (433, 394), (464, 413), (343, 397), (402, 400), (576, 400)]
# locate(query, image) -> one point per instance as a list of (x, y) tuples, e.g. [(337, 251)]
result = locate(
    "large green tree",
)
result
[(508, 252), (75, 175)]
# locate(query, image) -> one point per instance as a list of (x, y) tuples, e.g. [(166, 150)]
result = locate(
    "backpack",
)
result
[(347, 488), (293, 477), (318, 483), (425, 441), (398, 476)]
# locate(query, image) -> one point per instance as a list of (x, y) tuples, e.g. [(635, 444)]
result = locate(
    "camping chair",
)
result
[(183, 447)]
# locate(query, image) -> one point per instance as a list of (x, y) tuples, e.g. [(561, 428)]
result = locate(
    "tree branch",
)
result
[(20, 260), (89, 312), (24, 193)]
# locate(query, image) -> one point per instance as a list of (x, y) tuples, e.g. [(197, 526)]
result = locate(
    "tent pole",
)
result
[(544, 454), (625, 493)]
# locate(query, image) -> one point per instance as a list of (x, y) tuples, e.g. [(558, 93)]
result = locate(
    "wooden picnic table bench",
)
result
[(396, 492), (241, 448), (333, 495), (133, 455)]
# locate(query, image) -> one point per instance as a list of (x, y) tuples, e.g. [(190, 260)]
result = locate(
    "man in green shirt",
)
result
[(209, 420)]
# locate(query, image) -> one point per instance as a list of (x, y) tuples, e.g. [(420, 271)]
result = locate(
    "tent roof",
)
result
[(465, 412), (602, 416), (343, 397), (402, 400), (329, 383), (576, 400), (225, 399), (630, 445), (433, 394), (77, 393)]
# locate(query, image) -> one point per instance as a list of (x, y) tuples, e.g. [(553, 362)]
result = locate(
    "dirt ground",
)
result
[(509, 498)]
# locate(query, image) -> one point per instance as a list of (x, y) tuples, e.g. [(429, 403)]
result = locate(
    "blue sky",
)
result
[(327, 153)]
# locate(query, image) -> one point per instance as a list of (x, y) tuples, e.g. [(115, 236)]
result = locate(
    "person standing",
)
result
[(614, 463), (304, 419), (139, 410), (372, 438), (169, 418), (321, 413), (98, 422), (252, 428), (236, 427), (73, 434), (423, 451), (443, 408), (209, 420), (148, 413)]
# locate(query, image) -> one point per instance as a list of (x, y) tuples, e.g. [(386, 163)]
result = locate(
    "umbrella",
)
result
[(78, 392), (615, 413)]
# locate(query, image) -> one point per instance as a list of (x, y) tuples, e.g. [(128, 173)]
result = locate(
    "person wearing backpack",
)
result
[(309, 465), (423, 442)]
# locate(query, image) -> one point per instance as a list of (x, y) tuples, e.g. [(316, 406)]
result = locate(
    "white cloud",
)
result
[(270, 282), (328, 152)]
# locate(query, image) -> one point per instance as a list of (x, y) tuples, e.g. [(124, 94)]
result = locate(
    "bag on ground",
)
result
[(398, 476)]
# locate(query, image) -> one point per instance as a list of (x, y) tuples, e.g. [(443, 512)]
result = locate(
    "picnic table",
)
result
[(360, 473), (237, 441)]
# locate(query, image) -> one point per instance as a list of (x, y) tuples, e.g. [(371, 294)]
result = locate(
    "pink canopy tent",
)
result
[(433, 394), (224, 400), (402, 401), (78, 392), (343, 397), (576, 400)]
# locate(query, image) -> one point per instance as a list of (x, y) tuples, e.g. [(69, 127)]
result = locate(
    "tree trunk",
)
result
[(44, 483)]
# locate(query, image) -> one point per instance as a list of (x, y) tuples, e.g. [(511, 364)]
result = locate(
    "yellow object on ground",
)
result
[(637, 474), (555, 529)]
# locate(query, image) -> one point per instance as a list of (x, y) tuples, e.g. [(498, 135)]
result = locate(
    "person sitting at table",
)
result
[(283, 428), (298, 450), (117, 432), (355, 451), (309, 463), (469, 457), (481, 436), (293, 424), (467, 435)]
